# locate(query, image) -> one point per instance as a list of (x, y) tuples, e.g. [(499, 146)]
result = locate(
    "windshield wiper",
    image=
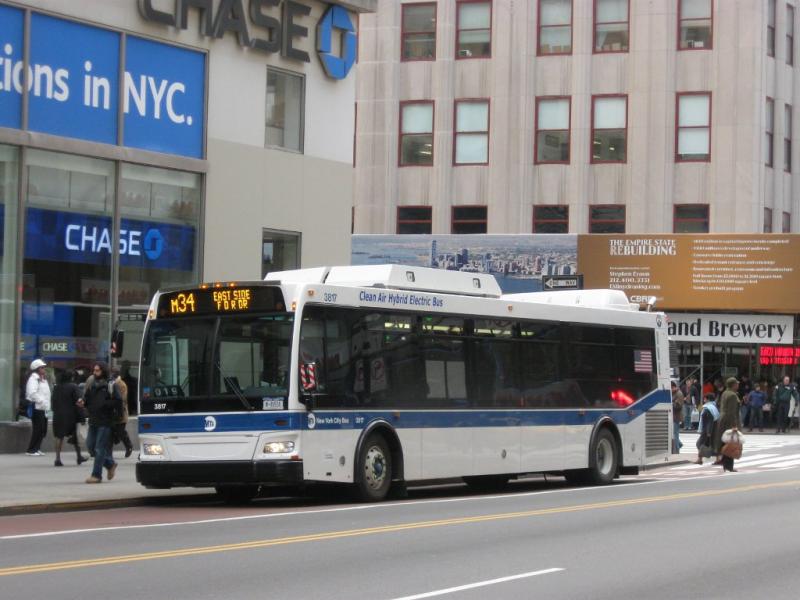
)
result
[(233, 385)]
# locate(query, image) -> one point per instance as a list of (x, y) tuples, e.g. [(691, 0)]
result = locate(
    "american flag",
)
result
[(642, 361)]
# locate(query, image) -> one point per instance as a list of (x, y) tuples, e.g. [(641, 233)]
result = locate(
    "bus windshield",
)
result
[(228, 363)]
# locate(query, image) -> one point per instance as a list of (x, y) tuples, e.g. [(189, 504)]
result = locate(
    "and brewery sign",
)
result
[(728, 328)]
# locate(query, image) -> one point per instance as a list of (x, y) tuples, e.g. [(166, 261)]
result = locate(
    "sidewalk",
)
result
[(30, 484)]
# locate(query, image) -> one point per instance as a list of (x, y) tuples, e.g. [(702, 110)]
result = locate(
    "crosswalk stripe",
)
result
[(786, 463)]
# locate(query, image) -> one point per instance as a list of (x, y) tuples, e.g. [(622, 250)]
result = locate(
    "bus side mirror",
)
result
[(117, 343)]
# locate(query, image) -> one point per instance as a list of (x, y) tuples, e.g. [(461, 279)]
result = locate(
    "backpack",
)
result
[(24, 404), (115, 394)]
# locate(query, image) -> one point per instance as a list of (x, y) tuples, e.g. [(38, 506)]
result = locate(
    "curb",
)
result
[(81, 505)]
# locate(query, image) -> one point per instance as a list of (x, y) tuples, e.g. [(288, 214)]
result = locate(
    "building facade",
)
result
[(150, 143), (580, 116)]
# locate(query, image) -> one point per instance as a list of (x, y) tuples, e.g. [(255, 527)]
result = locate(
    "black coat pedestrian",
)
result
[(65, 413), (99, 402)]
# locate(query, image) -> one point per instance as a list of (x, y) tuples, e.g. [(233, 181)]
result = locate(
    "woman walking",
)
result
[(709, 415), (728, 419), (66, 416)]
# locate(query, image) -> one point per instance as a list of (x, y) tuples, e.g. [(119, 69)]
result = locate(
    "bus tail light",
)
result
[(621, 398)]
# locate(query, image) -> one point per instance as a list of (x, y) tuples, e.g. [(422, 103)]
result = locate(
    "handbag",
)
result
[(732, 450), (767, 407)]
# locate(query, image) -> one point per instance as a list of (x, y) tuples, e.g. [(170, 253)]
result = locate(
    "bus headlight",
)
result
[(152, 449), (278, 447)]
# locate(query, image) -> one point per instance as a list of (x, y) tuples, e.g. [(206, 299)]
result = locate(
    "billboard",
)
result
[(736, 272), (518, 262), (74, 80)]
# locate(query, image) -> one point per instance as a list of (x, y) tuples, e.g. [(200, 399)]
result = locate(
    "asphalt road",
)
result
[(681, 532)]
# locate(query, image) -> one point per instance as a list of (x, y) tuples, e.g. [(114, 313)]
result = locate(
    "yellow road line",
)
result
[(333, 535)]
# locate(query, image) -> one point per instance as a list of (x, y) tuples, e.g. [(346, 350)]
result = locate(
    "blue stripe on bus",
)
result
[(401, 419)]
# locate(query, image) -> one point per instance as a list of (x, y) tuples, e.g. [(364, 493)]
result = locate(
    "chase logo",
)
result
[(210, 424), (153, 244), (336, 18)]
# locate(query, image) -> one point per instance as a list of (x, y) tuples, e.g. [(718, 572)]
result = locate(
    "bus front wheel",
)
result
[(374, 470), (603, 458)]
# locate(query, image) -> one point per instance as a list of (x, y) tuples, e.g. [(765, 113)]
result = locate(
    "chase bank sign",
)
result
[(271, 26)]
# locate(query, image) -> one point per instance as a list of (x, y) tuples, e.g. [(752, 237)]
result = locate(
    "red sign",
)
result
[(779, 355)]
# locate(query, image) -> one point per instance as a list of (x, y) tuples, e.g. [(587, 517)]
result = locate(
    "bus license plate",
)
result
[(272, 404)]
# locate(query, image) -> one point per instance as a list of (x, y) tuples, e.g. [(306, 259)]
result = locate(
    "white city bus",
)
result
[(385, 375)]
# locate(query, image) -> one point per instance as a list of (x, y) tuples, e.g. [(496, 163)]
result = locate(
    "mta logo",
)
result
[(153, 244), (336, 18)]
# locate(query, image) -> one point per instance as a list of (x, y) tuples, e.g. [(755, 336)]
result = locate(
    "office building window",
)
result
[(690, 218), (786, 222), (418, 32), (769, 135), (609, 128), (555, 27), (469, 219), (789, 34), (787, 138), (607, 218), (693, 127), (280, 251), (551, 219), (695, 24), (474, 29), (552, 130), (414, 219), (767, 220), (611, 25), (471, 145), (416, 133), (285, 110), (771, 27)]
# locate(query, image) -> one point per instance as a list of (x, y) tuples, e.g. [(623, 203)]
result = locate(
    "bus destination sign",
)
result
[(220, 300)]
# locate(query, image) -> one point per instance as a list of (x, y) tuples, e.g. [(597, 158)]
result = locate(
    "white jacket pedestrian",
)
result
[(37, 390)]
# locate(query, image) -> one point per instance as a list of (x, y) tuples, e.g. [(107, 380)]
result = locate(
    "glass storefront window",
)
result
[(67, 262), (8, 267), (159, 232)]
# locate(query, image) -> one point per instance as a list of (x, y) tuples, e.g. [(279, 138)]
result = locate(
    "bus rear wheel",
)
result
[(603, 458), (237, 494), (374, 470)]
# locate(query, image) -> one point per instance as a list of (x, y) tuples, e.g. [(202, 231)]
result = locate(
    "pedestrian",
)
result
[(781, 399), (66, 416), (133, 386), (695, 399), (794, 409), (687, 404), (709, 415), (677, 415), (119, 431), (728, 419), (37, 393), (756, 400), (100, 405)]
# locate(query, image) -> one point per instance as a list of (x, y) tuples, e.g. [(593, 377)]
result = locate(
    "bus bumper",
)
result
[(208, 474)]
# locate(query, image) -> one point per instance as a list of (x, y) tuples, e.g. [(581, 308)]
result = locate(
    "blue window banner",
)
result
[(79, 238), (164, 98), (74, 79), (11, 48)]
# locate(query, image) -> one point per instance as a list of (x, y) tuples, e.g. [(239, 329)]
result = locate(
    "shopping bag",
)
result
[(732, 450)]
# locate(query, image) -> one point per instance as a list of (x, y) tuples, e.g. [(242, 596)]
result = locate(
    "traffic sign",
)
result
[(562, 282)]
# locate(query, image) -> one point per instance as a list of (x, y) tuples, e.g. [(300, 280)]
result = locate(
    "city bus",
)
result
[(384, 376)]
